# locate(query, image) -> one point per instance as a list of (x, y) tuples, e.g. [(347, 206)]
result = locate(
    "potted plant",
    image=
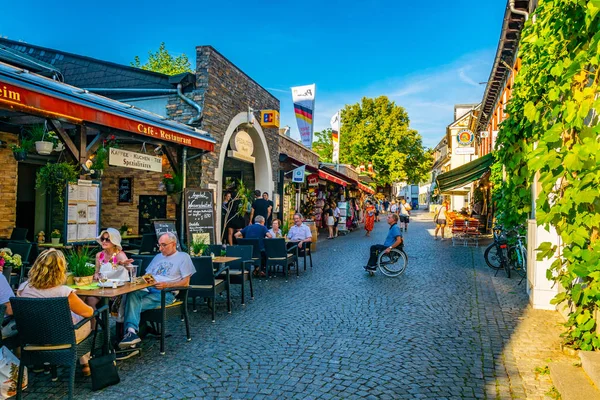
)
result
[(98, 163), (81, 265), (197, 248), (54, 176), (55, 237), (20, 150), (123, 229), (174, 185), (7, 258), (44, 141)]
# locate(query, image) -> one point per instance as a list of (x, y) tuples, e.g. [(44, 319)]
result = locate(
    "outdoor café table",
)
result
[(221, 260)]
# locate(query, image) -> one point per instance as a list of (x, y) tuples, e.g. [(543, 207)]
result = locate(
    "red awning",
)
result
[(40, 96), (365, 188), (331, 178)]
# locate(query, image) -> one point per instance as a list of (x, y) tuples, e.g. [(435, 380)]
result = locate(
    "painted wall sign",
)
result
[(126, 190), (465, 137), (269, 119), (242, 147), (129, 159)]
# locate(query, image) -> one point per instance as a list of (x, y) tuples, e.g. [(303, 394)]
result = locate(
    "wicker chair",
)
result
[(203, 283), (157, 317), (240, 271), (256, 253), (278, 254), (305, 251), (19, 234), (147, 245), (47, 335), (24, 250)]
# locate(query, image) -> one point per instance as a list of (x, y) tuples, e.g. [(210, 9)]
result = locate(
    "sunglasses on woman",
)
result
[(105, 239)]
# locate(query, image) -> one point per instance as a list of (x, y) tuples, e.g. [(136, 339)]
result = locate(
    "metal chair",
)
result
[(19, 234), (47, 335), (240, 271), (278, 254), (204, 284), (147, 246), (305, 251)]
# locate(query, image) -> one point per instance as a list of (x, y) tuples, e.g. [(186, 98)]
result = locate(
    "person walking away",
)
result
[(329, 220), (440, 220), (336, 216), (369, 217), (404, 211), (265, 196), (260, 206)]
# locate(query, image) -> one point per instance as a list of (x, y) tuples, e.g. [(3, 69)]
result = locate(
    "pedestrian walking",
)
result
[(336, 216), (369, 217), (329, 220), (440, 220), (394, 207), (404, 211)]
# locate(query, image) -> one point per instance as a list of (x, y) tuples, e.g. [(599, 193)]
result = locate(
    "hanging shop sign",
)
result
[(129, 159), (298, 174), (464, 150), (269, 119), (313, 179), (465, 137), (242, 147)]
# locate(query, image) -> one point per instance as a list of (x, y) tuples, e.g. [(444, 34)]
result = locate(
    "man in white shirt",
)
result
[(299, 231), (403, 210), (170, 268)]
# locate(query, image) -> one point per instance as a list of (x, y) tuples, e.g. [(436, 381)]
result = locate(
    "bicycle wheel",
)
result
[(492, 258), (393, 263), (518, 260), (505, 261)]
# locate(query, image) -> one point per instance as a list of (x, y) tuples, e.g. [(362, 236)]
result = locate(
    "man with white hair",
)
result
[(170, 268)]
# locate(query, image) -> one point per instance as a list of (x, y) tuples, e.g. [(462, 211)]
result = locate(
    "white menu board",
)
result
[(83, 211)]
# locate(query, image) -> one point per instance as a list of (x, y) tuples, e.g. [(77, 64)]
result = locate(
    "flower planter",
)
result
[(55, 241), (97, 174), (83, 280), (20, 155), (44, 148), (59, 147), (70, 279), (170, 187)]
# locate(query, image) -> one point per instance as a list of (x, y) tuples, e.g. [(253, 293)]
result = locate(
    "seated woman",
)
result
[(46, 279), (275, 231)]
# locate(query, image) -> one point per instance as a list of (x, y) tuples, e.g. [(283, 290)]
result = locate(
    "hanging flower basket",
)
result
[(20, 155), (44, 148)]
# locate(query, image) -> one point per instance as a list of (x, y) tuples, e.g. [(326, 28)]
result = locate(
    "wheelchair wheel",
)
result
[(393, 263)]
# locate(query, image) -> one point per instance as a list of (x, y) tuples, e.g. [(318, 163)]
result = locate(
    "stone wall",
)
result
[(292, 148), (114, 214), (8, 186)]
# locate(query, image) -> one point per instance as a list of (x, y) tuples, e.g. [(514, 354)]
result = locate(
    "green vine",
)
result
[(553, 129), (54, 177)]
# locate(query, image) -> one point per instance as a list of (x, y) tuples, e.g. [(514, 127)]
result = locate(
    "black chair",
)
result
[(305, 251), (278, 254), (157, 317), (215, 249), (204, 284), (240, 271), (24, 250), (147, 246), (47, 335), (19, 234), (256, 253)]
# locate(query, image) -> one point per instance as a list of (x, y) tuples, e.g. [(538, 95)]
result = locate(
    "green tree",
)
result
[(378, 130), (323, 146), (163, 62)]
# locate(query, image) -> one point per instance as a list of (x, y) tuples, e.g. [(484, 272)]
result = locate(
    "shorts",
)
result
[(404, 219), (441, 221), (330, 221)]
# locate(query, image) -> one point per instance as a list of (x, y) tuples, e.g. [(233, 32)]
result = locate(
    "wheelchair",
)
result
[(391, 264)]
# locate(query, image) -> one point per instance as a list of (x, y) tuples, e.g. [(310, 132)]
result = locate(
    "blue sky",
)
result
[(425, 55)]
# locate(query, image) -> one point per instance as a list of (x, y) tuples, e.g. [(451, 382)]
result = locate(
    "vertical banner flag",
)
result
[(304, 105), (298, 174), (335, 137)]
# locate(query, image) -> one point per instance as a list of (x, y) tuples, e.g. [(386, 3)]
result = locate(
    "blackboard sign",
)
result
[(162, 226), (125, 190), (200, 215)]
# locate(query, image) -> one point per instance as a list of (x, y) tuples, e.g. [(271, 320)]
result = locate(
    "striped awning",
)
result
[(463, 175), (365, 188), (331, 178)]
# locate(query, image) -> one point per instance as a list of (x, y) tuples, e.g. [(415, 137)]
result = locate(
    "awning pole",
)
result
[(182, 205)]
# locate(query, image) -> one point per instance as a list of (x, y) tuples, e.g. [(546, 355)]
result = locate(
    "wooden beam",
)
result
[(82, 144), (172, 157), (57, 126), (96, 142)]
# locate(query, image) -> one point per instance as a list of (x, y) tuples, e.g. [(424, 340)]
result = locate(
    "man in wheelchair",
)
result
[(393, 240)]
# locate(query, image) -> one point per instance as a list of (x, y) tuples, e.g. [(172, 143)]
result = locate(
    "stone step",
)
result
[(590, 362), (572, 382)]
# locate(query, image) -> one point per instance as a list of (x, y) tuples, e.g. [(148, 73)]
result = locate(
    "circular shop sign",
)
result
[(465, 137), (242, 143)]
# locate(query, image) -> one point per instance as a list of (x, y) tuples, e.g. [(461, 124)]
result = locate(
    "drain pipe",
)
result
[(196, 117), (182, 204), (511, 3)]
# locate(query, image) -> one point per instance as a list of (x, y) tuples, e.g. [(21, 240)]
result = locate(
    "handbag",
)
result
[(103, 367)]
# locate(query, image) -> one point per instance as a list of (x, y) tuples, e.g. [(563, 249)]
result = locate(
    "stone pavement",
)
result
[(446, 329)]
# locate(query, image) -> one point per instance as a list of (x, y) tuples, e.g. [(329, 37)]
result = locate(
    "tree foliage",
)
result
[(378, 130), (323, 146), (162, 61), (553, 130)]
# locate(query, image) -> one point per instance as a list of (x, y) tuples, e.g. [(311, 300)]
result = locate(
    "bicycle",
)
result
[(496, 254), (517, 254), (391, 264)]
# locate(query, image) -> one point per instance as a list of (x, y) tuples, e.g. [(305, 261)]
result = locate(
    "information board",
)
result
[(200, 215), (82, 214), (162, 226)]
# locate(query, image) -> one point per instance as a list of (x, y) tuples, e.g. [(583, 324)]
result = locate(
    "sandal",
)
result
[(85, 369)]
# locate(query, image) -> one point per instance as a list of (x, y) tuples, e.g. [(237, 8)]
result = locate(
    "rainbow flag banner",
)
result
[(304, 106)]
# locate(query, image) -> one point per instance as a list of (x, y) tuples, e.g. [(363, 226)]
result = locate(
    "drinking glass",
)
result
[(133, 274), (103, 280)]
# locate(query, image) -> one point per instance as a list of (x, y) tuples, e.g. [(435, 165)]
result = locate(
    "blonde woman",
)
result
[(47, 279)]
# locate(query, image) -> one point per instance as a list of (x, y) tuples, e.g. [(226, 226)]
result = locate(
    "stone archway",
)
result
[(263, 170)]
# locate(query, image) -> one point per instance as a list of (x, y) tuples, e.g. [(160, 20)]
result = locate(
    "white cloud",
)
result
[(428, 96)]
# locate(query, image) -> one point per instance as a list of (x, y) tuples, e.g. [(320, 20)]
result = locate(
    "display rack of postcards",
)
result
[(82, 211), (343, 206)]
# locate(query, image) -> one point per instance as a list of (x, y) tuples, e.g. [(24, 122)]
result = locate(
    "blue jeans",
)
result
[(140, 301)]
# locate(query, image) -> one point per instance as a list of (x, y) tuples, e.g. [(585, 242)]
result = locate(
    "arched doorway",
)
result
[(261, 167)]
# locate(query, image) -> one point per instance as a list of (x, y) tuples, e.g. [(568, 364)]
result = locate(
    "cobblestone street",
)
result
[(445, 329)]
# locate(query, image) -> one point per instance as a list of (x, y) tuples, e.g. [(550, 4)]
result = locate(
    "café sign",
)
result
[(129, 159), (242, 147)]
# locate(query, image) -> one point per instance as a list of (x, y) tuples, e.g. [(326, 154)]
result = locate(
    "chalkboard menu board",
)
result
[(125, 190), (200, 215), (162, 226)]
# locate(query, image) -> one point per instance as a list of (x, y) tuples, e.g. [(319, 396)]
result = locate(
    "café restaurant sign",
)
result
[(129, 159)]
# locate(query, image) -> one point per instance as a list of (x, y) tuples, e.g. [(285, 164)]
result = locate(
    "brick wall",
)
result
[(8, 186), (115, 214), (294, 149)]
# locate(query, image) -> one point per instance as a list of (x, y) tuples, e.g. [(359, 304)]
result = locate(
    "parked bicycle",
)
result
[(502, 254)]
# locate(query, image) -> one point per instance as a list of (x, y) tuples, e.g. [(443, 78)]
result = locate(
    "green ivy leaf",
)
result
[(530, 111)]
